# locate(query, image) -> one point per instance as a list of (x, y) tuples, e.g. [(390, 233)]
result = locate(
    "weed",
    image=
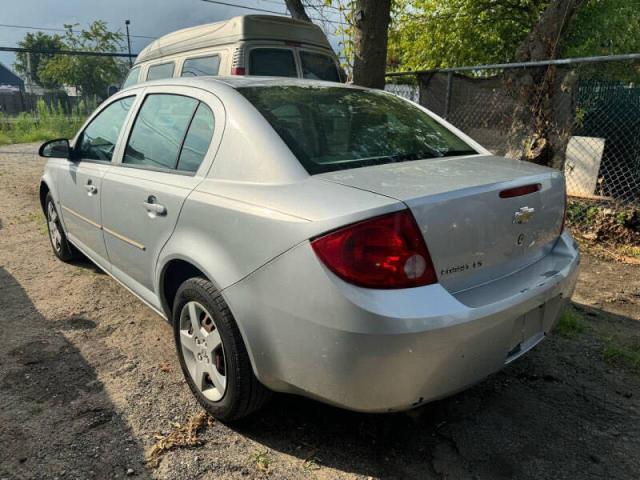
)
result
[(182, 436), (618, 354), (630, 250), (262, 461), (570, 323)]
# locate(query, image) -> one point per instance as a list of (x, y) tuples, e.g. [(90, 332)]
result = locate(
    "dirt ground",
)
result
[(89, 382)]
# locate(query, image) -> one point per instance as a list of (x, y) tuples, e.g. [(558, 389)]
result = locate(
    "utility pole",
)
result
[(127, 23)]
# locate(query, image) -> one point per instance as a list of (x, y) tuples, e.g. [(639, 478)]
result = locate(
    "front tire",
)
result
[(62, 248), (212, 354)]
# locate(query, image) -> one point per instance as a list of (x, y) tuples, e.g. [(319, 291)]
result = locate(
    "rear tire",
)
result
[(212, 354), (61, 246)]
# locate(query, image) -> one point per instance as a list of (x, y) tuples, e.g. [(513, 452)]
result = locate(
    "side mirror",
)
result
[(58, 148)]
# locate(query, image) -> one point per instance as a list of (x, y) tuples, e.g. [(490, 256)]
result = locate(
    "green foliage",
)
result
[(30, 67), (92, 75), (46, 123), (570, 323), (627, 355), (444, 33)]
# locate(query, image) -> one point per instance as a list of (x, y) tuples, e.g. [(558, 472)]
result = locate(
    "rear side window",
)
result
[(195, 67), (335, 128), (197, 141), (317, 66), (273, 62), (158, 131), (132, 78), (164, 70), (98, 140), (170, 132)]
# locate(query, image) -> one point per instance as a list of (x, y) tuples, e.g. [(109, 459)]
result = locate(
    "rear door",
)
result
[(168, 152), (80, 180)]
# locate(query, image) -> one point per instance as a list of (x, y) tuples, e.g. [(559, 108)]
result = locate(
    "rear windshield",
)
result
[(333, 128), (273, 62)]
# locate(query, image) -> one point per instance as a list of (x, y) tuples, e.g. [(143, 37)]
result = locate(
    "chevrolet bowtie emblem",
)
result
[(523, 215)]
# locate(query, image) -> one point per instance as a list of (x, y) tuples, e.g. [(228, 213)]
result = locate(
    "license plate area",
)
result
[(527, 332)]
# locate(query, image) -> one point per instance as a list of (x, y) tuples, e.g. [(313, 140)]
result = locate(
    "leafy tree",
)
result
[(445, 33), (92, 75), (30, 67)]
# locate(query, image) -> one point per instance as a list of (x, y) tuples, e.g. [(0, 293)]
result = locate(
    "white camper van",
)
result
[(244, 45)]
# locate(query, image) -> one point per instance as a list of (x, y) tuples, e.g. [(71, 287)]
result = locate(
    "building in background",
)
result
[(9, 81)]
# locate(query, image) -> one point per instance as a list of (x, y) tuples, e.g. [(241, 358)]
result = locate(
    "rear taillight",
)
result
[(238, 71), (383, 252)]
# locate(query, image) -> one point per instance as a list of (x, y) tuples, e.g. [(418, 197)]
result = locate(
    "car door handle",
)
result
[(91, 188), (154, 208)]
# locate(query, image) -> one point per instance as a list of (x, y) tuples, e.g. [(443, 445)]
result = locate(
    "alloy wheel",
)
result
[(203, 351), (54, 227)]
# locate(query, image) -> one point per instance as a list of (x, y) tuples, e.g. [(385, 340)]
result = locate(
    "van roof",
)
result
[(244, 27)]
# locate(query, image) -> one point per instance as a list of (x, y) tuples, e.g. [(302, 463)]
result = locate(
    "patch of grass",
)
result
[(46, 123), (262, 461), (628, 356), (570, 323), (630, 251)]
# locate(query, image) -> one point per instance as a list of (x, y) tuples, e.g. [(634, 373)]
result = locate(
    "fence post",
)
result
[(447, 98)]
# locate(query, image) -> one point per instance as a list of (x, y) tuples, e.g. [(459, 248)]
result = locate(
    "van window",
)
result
[(132, 78), (164, 70), (195, 67), (159, 129), (197, 141), (273, 62), (317, 66)]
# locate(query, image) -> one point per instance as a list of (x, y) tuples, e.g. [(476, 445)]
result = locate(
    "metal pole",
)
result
[(126, 23), (447, 98)]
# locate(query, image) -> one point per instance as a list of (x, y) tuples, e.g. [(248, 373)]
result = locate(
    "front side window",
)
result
[(159, 129), (98, 140), (156, 72), (195, 67), (317, 66), (334, 128), (132, 78), (272, 62)]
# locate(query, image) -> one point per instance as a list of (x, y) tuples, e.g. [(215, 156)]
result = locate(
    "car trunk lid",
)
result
[(474, 236)]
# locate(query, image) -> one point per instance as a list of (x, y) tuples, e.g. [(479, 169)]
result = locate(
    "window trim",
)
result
[(122, 162), (149, 67), (205, 55), (90, 120)]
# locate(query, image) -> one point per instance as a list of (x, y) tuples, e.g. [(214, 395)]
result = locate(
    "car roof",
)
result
[(235, 82)]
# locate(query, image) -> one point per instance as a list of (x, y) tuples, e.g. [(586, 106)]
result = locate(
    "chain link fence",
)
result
[(581, 116)]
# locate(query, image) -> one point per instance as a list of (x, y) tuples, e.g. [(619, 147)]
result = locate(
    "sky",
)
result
[(152, 18)]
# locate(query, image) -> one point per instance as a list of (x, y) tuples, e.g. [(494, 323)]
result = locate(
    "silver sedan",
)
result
[(313, 238)]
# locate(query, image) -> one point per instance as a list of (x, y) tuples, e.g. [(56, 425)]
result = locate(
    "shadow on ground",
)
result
[(559, 412), (52, 401)]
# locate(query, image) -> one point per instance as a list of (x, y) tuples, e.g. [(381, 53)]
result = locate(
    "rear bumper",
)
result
[(307, 332)]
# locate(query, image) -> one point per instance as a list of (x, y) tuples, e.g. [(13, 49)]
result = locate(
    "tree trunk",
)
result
[(371, 24), (544, 95), (297, 10)]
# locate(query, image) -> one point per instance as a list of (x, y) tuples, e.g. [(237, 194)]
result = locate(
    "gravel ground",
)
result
[(89, 382)]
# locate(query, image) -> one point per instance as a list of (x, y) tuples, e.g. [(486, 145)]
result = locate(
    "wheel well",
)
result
[(174, 274), (44, 189)]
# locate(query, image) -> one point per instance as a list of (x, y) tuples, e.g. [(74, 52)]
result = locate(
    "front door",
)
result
[(80, 179), (143, 195)]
